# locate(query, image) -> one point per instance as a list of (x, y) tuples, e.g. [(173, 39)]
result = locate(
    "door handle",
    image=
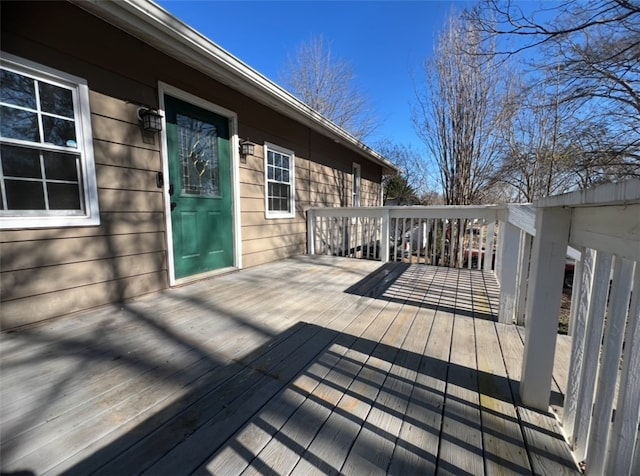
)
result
[(170, 189), (173, 205)]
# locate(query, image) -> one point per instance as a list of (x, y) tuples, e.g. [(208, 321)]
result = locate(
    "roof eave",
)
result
[(152, 24)]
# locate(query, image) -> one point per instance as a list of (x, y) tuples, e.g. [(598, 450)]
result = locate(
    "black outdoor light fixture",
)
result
[(246, 148), (151, 120)]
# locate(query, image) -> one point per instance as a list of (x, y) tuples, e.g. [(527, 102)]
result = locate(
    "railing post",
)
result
[(543, 305), (384, 238), (311, 231), (509, 272)]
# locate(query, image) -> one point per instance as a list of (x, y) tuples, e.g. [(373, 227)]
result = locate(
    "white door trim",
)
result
[(167, 89)]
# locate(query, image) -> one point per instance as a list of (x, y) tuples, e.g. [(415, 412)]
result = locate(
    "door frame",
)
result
[(167, 89)]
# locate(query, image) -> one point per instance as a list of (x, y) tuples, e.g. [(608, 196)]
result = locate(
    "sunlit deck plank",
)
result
[(417, 446), (548, 451), (309, 365)]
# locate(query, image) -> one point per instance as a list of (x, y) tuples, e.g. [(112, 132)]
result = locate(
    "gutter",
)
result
[(152, 24)]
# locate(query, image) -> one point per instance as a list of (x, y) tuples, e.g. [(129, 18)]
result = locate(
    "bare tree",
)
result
[(462, 107), (328, 85), (412, 164), (591, 49)]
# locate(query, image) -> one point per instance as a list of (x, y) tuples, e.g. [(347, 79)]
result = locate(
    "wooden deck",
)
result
[(310, 365)]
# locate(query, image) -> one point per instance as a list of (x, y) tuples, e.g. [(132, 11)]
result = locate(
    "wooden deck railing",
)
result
[(602, 408), (490, 237), (526, 247)]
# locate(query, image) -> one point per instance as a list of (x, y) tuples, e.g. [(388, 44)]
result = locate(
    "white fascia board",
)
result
[(152, 24)]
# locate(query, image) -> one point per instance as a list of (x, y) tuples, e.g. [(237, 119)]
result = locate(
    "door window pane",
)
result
[(198, 150)]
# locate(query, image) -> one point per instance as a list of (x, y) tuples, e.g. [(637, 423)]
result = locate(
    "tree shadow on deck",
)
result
[(429, 288), (316, 399), (309, 398)]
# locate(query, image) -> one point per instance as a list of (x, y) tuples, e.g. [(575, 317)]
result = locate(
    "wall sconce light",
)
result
[(151, 119), (246, 148)]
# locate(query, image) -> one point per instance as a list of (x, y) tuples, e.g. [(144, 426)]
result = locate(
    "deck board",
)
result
[(312, 365)]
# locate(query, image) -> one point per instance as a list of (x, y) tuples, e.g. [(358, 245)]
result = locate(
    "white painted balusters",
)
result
[(627, 419), (618, 307)]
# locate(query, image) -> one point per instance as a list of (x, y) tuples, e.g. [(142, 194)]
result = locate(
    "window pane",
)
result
[(270, 173), (20, 162), (278, 160), (56, 100), (285, 161), (270, 158), (278, 174), (285, 176), (18, 124), (22, 195), (60, 166), (17, 89), (59, 131), (63, 196)]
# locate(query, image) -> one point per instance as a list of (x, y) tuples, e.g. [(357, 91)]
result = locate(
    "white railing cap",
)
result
[(607, 194)]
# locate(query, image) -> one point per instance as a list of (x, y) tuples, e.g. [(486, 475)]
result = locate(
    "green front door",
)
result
[(200, 188)]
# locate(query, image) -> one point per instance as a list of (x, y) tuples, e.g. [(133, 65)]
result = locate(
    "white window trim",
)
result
[(356, 193), (292, 190), (84, 138)]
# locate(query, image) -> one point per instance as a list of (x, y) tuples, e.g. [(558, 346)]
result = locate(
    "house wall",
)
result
[(49, 272)]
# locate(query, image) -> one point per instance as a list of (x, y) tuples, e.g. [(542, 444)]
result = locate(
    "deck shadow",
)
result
[(307, 393), (378, 284)]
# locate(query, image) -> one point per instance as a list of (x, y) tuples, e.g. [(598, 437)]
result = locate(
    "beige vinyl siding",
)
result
[(49, 272)]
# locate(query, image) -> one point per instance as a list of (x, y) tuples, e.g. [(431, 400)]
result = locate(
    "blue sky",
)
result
[(385, 41)]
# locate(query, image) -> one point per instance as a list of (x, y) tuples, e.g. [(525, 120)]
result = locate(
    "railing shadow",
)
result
[(458, 298)]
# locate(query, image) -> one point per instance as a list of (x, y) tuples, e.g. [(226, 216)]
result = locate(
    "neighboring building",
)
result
[(95, 210)]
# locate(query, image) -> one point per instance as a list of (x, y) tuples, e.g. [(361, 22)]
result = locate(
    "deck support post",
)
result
[(384, 236), (543, 305), (509, 272)]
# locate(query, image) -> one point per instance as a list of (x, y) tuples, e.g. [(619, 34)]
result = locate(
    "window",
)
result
[(355, 186), (279, 179), (47, 171)]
